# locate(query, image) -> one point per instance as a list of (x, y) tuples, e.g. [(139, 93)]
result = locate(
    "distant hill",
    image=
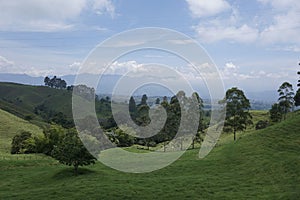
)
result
[(11, 125), (109, 81), (21, 100), (21, 78)]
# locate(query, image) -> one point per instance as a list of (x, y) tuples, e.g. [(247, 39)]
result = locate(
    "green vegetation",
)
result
[(260, 164), (286, 102), (10, 126), (70, 151), (263, 164), (35, 101), (237, 116)]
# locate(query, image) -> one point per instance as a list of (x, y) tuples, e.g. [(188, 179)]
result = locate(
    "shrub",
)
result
[(261, 124)]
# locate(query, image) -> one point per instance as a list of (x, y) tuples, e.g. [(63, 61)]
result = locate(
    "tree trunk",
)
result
[(76, 169), (193, 144), (234, 134), (181, 141)]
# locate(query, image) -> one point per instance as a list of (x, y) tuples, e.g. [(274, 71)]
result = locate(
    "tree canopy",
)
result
[(70, 151), (286, 97), (55, 82), (237, 110)]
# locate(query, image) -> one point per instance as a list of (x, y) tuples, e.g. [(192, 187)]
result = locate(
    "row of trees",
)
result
[(285, 104), (55, 82), (140, 115), (57, 142)]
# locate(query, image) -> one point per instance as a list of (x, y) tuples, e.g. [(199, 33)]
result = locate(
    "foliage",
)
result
[(144, 100), (262, 165), (22, 143), (55, 82), (11, 125), (276, 112), (261, 124), (132, 108), (53, 136), (70, 151), (286, 97), (124, 136), (237, 110), (297, 98), (202, 125)]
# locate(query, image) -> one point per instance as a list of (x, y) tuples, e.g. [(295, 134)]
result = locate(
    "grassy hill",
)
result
[(42, 104), (11, 125), (262, 164), (22, 99)]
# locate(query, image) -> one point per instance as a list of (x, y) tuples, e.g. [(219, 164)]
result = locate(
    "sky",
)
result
[(255, 44)]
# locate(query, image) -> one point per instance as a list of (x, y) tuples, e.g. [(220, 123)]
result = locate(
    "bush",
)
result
[(23, 143), (28, 117), (261, 124)]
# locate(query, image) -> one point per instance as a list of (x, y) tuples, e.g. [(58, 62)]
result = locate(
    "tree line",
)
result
[(64, 144)]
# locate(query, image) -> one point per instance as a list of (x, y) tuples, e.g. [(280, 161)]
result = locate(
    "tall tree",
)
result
[(276, 112), (144, 100), (297, 98), (132, 105), (157, 101), (201, 125), (286, 97), (47, 80), (237, 110)]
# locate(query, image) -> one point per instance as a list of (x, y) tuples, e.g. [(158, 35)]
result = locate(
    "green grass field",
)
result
[(262, 164)]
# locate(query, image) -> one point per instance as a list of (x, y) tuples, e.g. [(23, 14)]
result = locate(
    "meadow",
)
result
[(262, 164)]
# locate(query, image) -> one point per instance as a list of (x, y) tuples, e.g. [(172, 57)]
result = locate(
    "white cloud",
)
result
[(202, 8), (229, 27), (7, 66), (285, 25), (5, 63), (232, 72), (230, 66), (74, 67), (121, 68), (289, 48), (217, 30), (45, 15), (281, 24), (182, 42), (101, 6)]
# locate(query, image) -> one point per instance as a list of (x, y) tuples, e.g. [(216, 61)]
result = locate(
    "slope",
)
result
[(263, 164), (21, 100), (11, 125)]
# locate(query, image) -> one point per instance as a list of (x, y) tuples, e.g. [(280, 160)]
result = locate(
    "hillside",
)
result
[(21, 100), (11, 125), (261, 164)]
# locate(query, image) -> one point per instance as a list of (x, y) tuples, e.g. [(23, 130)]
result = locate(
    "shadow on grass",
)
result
[(69, 173)]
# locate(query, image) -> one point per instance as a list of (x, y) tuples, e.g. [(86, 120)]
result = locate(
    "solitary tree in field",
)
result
[(286, 97), (70, 151), (237, 110)]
